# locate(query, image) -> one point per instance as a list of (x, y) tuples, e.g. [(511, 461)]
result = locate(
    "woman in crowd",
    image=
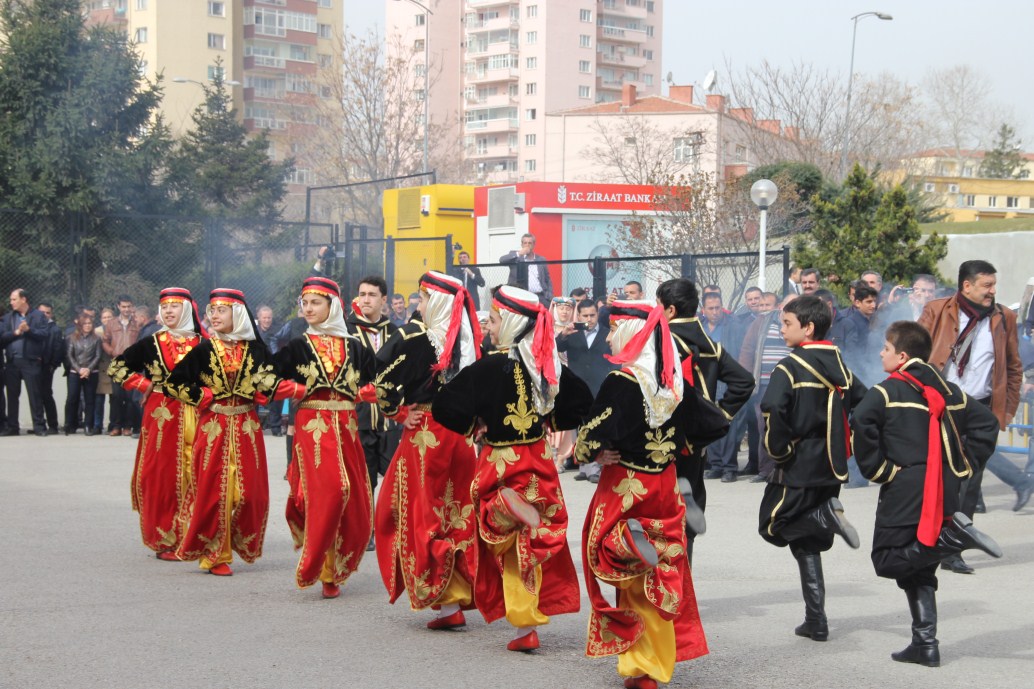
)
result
[(161, 473), (562, 442), (634, 538), (224, 378), (425, 522), (515, 395), (330, 506), (103, 379), (83, 354)]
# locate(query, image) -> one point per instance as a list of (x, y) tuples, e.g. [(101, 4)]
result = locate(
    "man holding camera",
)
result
[(529, 271)]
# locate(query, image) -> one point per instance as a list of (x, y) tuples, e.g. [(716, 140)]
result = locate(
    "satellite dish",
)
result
[(710, 80), (669, 79)]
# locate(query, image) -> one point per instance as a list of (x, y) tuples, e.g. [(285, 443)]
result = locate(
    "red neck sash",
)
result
[(932, 516)]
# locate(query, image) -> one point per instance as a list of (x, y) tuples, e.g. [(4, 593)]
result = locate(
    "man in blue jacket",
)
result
[(23, 336)]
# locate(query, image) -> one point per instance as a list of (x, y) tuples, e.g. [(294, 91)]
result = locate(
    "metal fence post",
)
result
[(786, 268), (211, 254), (688, 266), (389, 263), (599, 277), (449, 258)]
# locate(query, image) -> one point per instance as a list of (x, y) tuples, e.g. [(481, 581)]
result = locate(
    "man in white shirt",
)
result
[(535, 277)]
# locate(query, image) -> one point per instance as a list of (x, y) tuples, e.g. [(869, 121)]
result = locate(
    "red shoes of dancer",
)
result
[(528, 642), (452, 621), (331, 590), (643, 682), (221, 570), (167, 556)]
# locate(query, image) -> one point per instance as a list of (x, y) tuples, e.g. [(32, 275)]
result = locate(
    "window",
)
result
[(214, 71), (324, 30), (324, 61), (529, 139), (649, 31), (741, 153), (585, 15), (216, 9), (686, 148), (584, 92), (529, 166), (1012, 201), (929, 187), (326, 4), (531, 63), (421, 20), (531, 37), (532, 11), (585, 67), (217, 41), (971, 200), (530, 89), (967, 171), (141, 4), (300, 53), (529, 114), (299, 176), (418, 69), (648, 54), (141, 35), (648, 79), (418, 94), (585, 41), (650, 6), (418, 46), (992, 201)]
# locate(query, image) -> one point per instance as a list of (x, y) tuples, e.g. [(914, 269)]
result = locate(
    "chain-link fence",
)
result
[(81, 259), (601, 275)]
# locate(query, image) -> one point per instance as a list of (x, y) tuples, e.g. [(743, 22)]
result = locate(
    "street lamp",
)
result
[(850, 79), (427, 66), (763, 193)]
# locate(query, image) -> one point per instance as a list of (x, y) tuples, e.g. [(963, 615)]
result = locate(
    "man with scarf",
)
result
[(366, 321), (920, 437), (634, 536), (513, 397), (975, 346), (425, 524)]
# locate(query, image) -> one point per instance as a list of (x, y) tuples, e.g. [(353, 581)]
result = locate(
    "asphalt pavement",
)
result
[(84, 604)]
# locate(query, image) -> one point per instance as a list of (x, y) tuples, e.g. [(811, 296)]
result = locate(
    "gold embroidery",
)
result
[(310, 371), (424, 439), (520, 417), (317, 427), (211, 429), (451, 515), (500, 458), (629, 489), (660, 445), (585, 447)]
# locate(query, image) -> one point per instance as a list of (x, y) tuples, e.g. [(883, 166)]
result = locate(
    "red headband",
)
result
[(657, 327), (322, 286), (461, 302), (174, 294), (542, 344), (222, 295)]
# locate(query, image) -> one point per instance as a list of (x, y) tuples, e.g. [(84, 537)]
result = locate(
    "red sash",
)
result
[(932, 515)]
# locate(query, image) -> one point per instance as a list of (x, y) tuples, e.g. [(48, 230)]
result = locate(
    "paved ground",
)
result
[(84, 604)]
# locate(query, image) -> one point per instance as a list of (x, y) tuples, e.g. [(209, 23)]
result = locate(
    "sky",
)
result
[(990, 36)]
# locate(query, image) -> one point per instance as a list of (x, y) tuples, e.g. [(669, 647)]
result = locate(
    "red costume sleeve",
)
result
[(137, 382), (206, 399)]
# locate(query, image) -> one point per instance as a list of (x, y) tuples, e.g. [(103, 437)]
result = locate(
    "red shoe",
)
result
[(452, 621), (331, 590), (221, 570), (520, 508), (528, 642), (167, 556), (643, 682)]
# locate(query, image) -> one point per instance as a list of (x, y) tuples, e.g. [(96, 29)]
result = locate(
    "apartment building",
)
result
[(953, 180), (270, 51), (504, 64)]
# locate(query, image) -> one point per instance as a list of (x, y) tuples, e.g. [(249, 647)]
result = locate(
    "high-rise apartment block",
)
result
[(272, 49), (501, 65)]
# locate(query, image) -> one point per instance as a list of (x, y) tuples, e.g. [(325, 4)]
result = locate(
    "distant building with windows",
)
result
[(952, 179), (272, 48), (502, 65)]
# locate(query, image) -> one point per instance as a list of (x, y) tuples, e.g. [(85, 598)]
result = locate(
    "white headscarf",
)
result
[(513, 325), (334, 326), (660, 400), (243, 328), (185, 326), (438, 317)]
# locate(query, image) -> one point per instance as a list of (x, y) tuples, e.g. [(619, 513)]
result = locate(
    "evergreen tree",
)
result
[(1004, 161), (865, 229), (217, 170)]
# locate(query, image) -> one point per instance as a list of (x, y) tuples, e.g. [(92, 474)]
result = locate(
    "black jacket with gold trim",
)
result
[(202, 368), (806, 407), (617, 421), (299, 361), (369, 415), (146, 357), (496, 389), (405, 376), (711, 364), (891, 442)]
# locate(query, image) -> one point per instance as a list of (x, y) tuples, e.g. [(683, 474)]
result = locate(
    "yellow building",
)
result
[(419, 219), (952, 180)]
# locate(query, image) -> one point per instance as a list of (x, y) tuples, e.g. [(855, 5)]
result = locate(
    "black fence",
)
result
[(600, 276), (400, 260)]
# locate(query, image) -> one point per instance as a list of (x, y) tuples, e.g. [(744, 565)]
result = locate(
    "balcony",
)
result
[(485, 153), (264, 63), (495, 24), (497, 126), (615, 34), (491, 3), (487, 76), (608, 84), (618, 8), (498, 100)]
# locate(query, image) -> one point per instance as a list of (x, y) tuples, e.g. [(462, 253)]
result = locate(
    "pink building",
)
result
[(506, 63)]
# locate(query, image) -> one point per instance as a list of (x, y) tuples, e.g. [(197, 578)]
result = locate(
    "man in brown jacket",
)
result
[(975, 345), (119, 333)]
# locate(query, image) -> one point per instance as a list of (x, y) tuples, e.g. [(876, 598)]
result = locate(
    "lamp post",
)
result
[(763, 193), (427, 65), (850, 80)]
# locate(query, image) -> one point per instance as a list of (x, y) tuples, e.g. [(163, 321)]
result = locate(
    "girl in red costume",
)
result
[(161, 473), (425, 521), (515, 394), (330, 506), (225, 378), (634, 538)]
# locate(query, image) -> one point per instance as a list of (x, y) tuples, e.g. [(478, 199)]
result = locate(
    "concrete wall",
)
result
[(1009, 252)]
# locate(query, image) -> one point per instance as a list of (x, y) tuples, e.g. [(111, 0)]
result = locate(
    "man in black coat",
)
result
[(470, 276), (53, 356), (23, 335)]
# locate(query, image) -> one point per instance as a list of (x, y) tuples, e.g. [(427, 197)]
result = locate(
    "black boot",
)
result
[(959, 534), (828, 518), (813, 587), (922, 603)]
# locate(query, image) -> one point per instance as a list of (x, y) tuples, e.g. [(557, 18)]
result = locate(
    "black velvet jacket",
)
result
[(711, 364), (891, 442), (405, 376), (202, 368), (496, 390), (806, 407), (300, 362), (369, 415)]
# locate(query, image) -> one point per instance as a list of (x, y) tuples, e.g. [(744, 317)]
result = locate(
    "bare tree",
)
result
[(370, 127), (634, 150), (959, 110)]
